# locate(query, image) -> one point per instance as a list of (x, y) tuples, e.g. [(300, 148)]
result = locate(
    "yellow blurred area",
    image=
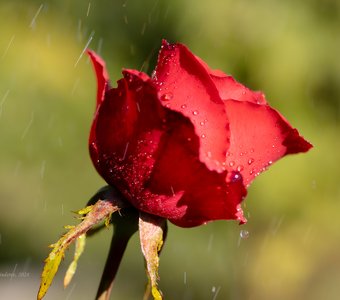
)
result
[(287, 49)]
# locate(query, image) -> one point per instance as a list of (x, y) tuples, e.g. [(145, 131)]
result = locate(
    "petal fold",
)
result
[(229, 88), (185, 86)]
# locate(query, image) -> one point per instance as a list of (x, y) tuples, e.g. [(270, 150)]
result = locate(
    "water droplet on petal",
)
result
[(195, 112), (94, 147), (183, 106), (167, 97), (240, 168), (235, 176), (250, 161), (139, 88), (244, 234), (231, 164), (203, 136), (202, 123), (130, 78)]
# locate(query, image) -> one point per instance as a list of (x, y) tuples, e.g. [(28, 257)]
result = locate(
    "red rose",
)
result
[(185, 144)]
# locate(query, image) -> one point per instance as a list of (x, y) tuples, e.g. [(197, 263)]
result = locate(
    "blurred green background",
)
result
[(288, 49)]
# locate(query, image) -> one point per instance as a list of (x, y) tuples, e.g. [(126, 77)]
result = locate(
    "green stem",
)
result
[(125, 227)]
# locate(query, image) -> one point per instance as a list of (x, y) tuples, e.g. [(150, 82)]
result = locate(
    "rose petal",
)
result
[(182, 189), (101, 74), (259, 136), (229, 88), (185, 86), (126, 132)]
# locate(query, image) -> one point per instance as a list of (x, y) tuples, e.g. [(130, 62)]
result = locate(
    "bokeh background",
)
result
[(288, 49)]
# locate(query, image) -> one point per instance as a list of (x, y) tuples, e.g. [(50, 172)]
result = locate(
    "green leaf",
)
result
[(84, 210), (94, 214), (79, 249), (51, 267)]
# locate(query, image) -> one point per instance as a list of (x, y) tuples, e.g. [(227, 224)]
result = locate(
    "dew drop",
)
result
[(252, 150), (240, 168), (203, 136), (94, 147), (139, 88), (250, 161), (231, 164), (244, 234), (202, 123), (167, 97), (195, 112), (153, 75), (183, 106), (235, 176), (129, 78)]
